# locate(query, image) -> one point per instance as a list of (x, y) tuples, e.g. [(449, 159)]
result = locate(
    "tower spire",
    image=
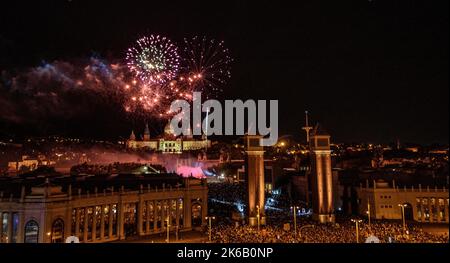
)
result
[(146, 133), (132, 136), (307, 128)]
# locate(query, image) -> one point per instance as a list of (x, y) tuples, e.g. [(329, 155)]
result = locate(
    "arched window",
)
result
[(409, 212), (58, 231), (31, 232), (196, 215)]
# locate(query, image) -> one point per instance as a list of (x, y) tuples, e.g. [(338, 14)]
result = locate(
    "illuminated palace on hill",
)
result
[(168, 142)]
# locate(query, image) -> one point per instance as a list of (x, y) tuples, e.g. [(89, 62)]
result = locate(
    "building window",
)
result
[(106, 220), (89, 220), (130, 219), (419, 208), (442, 209), (196, 215), (114, 219), (158, 214), (4, 231), (97, 218), (74, 221), (151, 216), (15, 227), (58, 231), (173, 212), (434, 209), (426, 209), (31, 232), (82, 222)]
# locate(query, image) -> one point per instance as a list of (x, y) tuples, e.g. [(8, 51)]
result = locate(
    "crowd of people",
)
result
[(280, 227), (228, 192), (313, 232), (114, 168)]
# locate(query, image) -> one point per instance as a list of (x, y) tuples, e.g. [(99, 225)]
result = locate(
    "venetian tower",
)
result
[(254, 166), (322, 179)]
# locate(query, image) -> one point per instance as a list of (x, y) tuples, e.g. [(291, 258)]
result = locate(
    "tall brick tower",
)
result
[(322, 179), (254, 170)]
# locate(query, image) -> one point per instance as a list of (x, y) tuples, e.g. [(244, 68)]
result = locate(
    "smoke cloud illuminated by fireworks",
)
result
[(155, 72)]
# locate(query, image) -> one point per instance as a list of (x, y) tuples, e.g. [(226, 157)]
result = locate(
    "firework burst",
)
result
[(153, 59), (206, 65), (162, 75)]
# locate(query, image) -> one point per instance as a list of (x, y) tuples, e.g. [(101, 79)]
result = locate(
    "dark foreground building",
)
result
[(98, 208)]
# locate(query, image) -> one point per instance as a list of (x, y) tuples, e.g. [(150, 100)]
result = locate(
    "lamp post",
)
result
[(257, 216), (368, 211), (402, 206), (168, 225), (210, 218), (357, 221), (294, 208)]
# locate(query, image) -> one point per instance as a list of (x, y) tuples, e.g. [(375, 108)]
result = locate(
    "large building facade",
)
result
[(100, 209), (168, 143), (428, 205)]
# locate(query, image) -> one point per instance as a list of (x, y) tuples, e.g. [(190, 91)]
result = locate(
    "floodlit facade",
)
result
[(421, 205), (96, 210), (169, 143)]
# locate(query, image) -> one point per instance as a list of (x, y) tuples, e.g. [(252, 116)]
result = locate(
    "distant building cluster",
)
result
[(28, 163)]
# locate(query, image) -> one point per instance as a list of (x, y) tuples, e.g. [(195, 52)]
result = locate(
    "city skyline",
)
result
[(257, 128)]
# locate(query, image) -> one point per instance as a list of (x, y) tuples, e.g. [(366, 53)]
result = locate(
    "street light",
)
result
[(368, 211), (357, 221), (257, 216), (402, 206), (210, 218), (294, 208), (168, 225), (168, 229)]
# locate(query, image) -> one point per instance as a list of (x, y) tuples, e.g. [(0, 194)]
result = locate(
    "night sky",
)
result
[(367, 70)]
